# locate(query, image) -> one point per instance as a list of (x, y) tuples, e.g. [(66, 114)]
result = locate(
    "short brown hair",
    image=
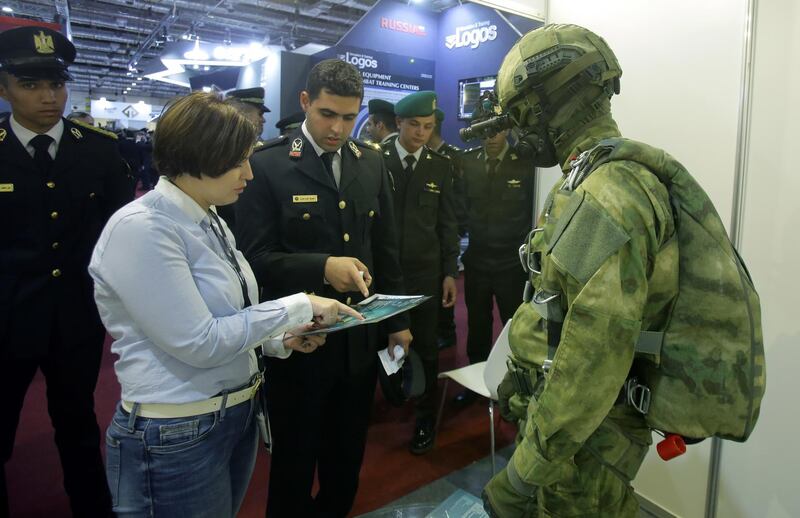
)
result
[(201, 135)]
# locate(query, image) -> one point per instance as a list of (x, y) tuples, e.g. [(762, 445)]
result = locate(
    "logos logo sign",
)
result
[(471, 35), (403, 26), (360, 61), (43, 43), (130, 112)]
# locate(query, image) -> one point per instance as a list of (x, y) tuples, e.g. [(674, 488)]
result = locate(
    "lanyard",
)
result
[(226, 247)]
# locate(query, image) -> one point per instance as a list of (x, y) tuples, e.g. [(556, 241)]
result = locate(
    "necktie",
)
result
[(409, 165), (327, 159), (493, 163), (41, 143)]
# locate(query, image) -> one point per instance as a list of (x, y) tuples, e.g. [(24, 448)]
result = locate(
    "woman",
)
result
[(181, 304)]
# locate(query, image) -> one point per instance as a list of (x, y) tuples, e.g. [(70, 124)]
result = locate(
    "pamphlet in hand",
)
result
[(374, 309)]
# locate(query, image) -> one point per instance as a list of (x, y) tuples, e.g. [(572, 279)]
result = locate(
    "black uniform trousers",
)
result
[(71, 377), (481, 287), (319, 411), (424, 321)]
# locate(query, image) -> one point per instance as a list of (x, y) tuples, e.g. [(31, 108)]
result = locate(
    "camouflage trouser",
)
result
[(605, 465)]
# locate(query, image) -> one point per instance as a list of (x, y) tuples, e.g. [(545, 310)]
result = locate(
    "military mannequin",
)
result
[(446, 327), (59, 183), (318, 217), (381, 125), (499, 194), (600, 274), (428, 239)]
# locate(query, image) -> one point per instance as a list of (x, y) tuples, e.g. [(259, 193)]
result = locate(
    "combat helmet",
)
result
[(548, 68)]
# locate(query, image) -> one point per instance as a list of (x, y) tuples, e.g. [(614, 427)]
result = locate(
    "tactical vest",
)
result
[(703, 374)]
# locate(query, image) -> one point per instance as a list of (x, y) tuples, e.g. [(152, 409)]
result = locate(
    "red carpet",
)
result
[(389, 470)]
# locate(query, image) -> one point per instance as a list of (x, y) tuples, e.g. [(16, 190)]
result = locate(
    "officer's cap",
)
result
[(292, 121), (418, 104), (36, 53), (439, 115), (380, 106), (254, 96)]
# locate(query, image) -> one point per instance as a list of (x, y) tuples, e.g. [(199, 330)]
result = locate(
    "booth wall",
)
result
[(682, 67), (456, 63), (759, 478)]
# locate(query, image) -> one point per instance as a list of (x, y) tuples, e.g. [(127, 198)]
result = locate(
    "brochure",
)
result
[(374, 309)]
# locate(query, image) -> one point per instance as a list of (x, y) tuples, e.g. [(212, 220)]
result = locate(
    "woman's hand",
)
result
[(326, 311), (303, 344)]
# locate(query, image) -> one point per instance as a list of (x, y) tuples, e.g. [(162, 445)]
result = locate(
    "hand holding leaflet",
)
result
[(373, 309)]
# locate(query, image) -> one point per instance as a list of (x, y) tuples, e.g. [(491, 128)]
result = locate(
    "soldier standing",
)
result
[(600, 273), (59, 183), (498, 186), (428, 239), (318, 217), (381, 124)]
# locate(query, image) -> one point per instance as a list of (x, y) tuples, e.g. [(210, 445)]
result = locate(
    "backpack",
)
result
[(705, 371)]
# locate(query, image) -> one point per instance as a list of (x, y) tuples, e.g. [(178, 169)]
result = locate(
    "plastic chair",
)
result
[(483, 379)]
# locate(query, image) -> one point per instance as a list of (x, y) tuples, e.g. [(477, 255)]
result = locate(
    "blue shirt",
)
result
[(173, 302)]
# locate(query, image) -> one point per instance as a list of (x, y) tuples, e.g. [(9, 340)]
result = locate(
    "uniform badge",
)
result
[(354, 149), (76, 133), (6, 187), (513, 156), (387, 153), (514, 184), (432, 187), (304, 198), (433, 104), (43, 43), (428, 157), (3, 134), (297, 148)]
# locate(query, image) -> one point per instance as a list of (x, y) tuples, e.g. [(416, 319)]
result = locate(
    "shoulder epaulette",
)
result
[(437, 153), (99, 131), (452, 147), (472, 150), (271, 143), (369, 145)]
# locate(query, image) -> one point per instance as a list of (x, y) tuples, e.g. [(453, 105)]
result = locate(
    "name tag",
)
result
[(304, 198), (6, 187)]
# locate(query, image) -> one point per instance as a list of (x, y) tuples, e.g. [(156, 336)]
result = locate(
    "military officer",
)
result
[(59, 183), (318, 216), (428, 239), (498, 198), (446, 327), (600, 273), (381, 125), (250, 102)]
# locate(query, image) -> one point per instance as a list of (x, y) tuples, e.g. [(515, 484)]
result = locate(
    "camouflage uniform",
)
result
[(606, 249)]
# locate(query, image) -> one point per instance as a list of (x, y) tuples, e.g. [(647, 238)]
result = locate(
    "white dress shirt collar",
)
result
[(402, 153), (25, 135), (387, 137), (183, 201)]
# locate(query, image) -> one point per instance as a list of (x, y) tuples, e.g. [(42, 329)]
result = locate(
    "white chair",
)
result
[(483, 379)]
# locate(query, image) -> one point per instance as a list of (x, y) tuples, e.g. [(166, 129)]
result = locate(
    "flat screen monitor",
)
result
[(469, 91)]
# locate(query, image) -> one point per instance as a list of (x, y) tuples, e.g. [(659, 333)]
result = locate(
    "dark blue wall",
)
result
[(453, 64)]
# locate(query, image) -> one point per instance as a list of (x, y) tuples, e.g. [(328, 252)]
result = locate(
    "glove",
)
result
[(501, 499), (504, 392)]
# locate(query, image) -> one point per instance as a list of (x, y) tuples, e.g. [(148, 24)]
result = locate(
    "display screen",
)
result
[(470, 91)]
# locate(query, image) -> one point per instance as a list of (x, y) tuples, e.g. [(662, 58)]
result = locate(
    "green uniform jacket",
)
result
[(613, 258), (499, 209), (424, 214)]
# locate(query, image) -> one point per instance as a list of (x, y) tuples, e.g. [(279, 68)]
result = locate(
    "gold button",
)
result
[(55, 245), (371, 213), (342, 204), (346, 237), (306, 216), (349, 301), (92, 195), (51, 185), (56, 273), (54, 215)]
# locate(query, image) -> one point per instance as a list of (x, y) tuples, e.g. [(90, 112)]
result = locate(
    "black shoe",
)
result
[(443, 342), (465, 398), (424, 436)]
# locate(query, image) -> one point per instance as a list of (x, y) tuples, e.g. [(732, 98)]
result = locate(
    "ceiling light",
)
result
[(7, 9), (133, 84), (196, 54), (207, 89), (206, 68), (139, 78)]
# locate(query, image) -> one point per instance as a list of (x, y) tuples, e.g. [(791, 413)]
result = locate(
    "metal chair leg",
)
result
[(491, 434), (441, 407)]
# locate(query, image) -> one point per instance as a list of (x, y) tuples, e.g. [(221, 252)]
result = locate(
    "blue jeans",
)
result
[(197, 466)]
